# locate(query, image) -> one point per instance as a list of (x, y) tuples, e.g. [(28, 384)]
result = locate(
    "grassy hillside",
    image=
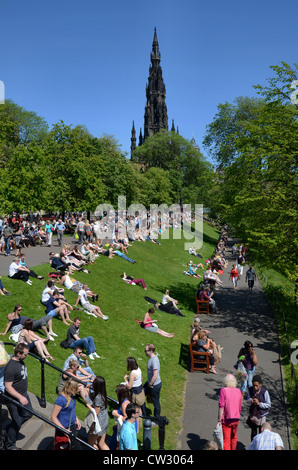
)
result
[(162, 267)]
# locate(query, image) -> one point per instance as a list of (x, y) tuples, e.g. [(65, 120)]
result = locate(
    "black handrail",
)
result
[(161, 421), (43, 362), (70, 434)]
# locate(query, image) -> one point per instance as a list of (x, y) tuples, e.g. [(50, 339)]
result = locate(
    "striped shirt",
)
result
[(266, 440)]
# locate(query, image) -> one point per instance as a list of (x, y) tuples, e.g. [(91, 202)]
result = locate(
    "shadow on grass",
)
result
[(184, 358), (184, 293)]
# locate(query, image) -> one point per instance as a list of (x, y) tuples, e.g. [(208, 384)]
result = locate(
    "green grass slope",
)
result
[(162, 267)]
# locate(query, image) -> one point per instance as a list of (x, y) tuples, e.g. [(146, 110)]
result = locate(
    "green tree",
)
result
[(186, 167), (18, 127), (76, 170), (23, 180), (258, 182)]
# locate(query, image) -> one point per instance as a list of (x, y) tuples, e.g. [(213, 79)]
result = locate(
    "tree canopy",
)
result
[(255, 145)]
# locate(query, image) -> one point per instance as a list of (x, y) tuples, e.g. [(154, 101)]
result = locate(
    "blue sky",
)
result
[(88, 62)]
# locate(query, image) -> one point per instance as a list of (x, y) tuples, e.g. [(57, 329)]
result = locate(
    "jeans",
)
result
[(59, 236), (122, 255), (7, 245), (86, 343), (18, 418), (155, 393), (81, 236), (248, 381)]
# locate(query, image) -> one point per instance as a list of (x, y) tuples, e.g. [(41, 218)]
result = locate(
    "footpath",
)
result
[(242, 316)]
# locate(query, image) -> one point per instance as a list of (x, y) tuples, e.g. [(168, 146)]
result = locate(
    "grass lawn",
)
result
[(119, 337)]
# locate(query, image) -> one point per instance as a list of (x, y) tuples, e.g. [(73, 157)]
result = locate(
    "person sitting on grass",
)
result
[(84, 369), (89, 308), (56, 306), (75, 286), (3, 291), (22, 264), (30, 338), (48, 291), (17, 272), (74, 340), (72, 370), (150, 325), (16, 322), (192, 270)]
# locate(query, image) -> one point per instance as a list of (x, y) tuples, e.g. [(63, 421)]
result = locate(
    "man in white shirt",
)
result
[(16, 271), (266, 440), (89, 308)]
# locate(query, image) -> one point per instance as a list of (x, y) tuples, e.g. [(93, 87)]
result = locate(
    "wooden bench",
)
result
[(199, 360), (202, 306)]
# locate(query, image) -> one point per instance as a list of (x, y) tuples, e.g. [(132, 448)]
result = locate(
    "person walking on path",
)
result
[(250, 277), (60, 227), (7, 233), (230, 405), (247, 355), (260, 404), (16, 386), (266, 440), (153, 378), (234, 277)]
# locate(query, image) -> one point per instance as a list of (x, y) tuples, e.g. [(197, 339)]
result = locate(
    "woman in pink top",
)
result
[(151, 325), (230, 404)]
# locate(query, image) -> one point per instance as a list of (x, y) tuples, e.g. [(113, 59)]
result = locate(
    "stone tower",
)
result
[(156, 115)]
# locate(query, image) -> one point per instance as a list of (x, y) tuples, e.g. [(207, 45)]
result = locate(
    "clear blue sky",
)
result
[(88, 62)]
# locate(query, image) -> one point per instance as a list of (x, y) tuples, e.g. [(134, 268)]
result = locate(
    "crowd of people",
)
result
[(245, 383), (91, 389), (132, 392)]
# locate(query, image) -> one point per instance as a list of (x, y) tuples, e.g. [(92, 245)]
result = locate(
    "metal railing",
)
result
[(4, 398), (161, 421)]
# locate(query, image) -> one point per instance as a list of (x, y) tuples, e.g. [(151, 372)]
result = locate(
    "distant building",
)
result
[(156, 115), (194, 144)]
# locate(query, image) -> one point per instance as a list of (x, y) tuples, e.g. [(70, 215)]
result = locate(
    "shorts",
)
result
[(153, 328), (76, 288), (52, 313), (89, 307)]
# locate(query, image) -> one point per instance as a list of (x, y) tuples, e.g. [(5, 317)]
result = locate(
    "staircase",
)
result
[(35, 434)]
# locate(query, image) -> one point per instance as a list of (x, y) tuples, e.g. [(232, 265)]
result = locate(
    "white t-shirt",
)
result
[(68, 282), (45, 294), (138, 377), (83, 297), (13, 269)]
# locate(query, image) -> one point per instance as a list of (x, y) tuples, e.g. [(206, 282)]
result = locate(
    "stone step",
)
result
[(36, 434)]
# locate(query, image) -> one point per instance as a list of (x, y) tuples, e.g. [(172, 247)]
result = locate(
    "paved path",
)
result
[(242, 316), (35, 255)]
